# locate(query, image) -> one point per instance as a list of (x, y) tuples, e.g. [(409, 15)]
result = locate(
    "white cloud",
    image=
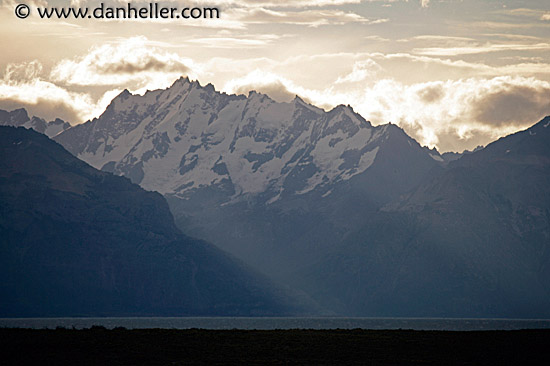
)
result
[(459, 114), (277, 87), (362, 70), (133, 62), (23, 86), (312, 18), (350, 71), (227, 41), (475, 49), (526, 12), (23, 72)]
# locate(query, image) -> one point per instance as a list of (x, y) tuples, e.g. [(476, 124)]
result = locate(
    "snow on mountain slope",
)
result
[(188, 137)]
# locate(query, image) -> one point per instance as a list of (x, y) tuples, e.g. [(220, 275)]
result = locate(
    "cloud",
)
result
[(456, 115), (22, 72), (351, 71), (511, 104), (280, 3), (431, 94), (424, 3), (516, 37), (225, 41), (47, 108), (22, 85), (277, 87), (504, 26), (475, 49), (297, 3), (141, 63), (135, 62), (377, 38), (312, 18), (362, 70), (530, 13)]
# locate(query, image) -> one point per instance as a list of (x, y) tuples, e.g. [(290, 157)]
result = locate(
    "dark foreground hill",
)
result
[(75, 241)]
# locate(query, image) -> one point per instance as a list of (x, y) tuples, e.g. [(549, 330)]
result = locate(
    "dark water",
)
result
[(280, 323)]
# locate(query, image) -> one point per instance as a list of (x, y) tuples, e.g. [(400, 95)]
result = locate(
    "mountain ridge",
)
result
[(20, 118), (76, 241), (256, 118)]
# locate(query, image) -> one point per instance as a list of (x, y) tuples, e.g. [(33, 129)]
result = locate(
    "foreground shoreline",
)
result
[(100, 346)]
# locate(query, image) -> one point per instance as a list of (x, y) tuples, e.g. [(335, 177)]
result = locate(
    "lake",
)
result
[(261, 323)]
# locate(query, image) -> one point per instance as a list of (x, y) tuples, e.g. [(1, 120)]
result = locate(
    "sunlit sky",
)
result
[(454, 74)]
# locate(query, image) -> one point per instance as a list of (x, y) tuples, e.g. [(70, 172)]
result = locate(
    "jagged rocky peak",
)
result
[(342, 107), (58, 121), (20, 118), (297, 99), (254, 94), (120, 100), (182, 81), (13, 118)]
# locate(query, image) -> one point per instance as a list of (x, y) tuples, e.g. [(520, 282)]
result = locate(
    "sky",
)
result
[(454, 74)]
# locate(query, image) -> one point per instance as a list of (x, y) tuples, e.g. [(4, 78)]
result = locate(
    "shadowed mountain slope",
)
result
[(472, 242), (75, 241)]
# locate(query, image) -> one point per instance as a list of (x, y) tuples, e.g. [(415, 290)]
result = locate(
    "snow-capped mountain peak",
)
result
[(189, 137)]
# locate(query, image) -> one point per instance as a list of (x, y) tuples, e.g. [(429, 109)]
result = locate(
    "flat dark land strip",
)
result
[(98, 346)]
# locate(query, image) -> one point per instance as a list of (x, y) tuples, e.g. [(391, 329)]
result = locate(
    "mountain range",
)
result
[(20, 118), (269, 182), (76, 241), (362, 218)]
